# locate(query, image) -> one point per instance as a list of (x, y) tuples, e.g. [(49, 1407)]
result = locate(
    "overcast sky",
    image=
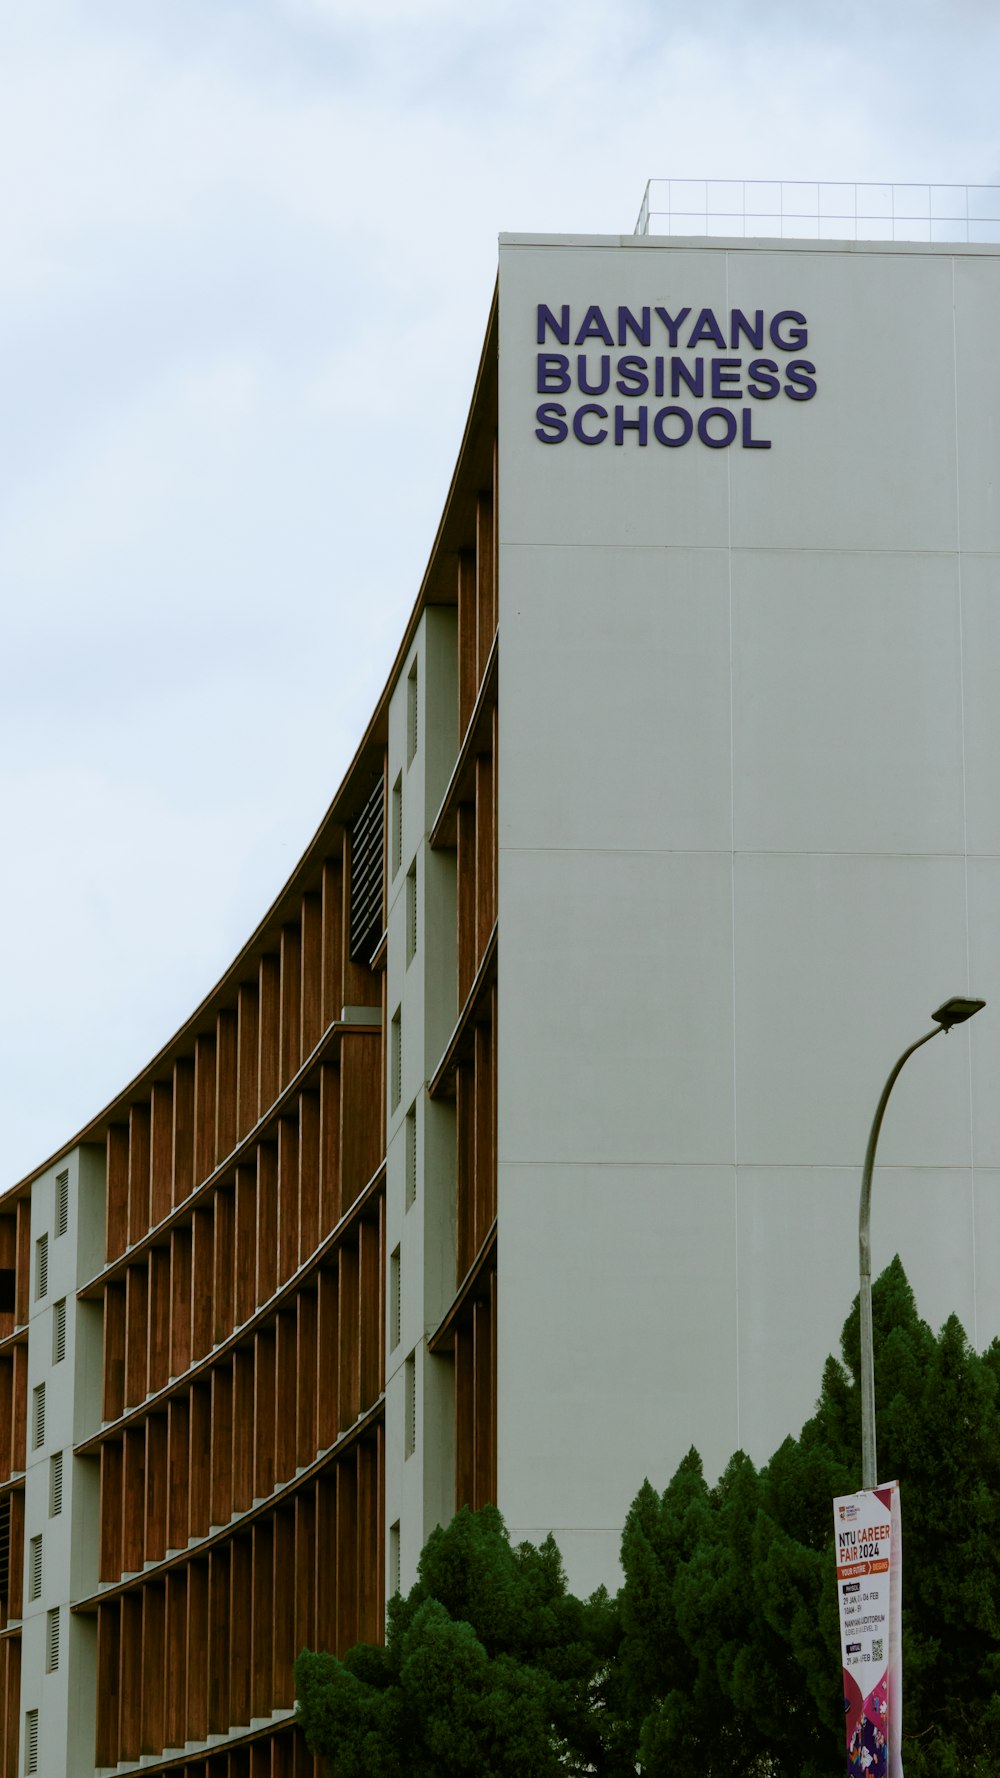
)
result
[(248, 249)]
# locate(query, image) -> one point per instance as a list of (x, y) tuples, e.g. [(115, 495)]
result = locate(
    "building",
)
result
[(519, 1148)]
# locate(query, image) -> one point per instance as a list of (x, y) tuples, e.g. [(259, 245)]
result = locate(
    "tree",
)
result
[(721, 1654), (491, 1667), (730, 1657)]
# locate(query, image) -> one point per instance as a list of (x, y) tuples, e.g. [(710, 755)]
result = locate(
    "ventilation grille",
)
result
[(42, 1266), (397, 825), (62, 1201), (55, 1485), (366, 877), (394, 1559), (411, 715), (38, 1417), (411, 1405), (396, 1058), (52, 1640), (411, 1157), (35, 1567), (395, 1300), (411, 915), (31, 1741), (59, 1331)]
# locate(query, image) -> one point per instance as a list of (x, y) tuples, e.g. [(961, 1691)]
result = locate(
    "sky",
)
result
[(247, 253)]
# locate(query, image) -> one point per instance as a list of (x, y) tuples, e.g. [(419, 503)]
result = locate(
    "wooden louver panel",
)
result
[(366, 877)]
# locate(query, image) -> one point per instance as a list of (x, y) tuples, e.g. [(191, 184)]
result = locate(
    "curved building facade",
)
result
[(518, 1149)]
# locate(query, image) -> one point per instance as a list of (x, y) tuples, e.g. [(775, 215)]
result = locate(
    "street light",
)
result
[(953, 1012)]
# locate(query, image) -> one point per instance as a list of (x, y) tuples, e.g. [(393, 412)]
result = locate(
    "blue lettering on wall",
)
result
[(632, 378), (583, 383), (627, 322), (752, 331), (726, 379), (801, 385), (552, 427), (672, 439), (705, 364), (560, 328), (672, 323), (594, 327), (589, 438), (639, 425), (706, 328), (789, 339), (553, 374)]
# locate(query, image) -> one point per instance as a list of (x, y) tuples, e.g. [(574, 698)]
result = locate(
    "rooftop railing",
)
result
[(802, 209)]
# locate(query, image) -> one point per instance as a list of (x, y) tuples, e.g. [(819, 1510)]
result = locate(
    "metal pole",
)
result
[(869, 1464)]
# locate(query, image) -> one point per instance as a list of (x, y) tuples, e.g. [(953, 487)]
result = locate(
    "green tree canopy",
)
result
[(721, 1654), (730, 1658), (490, 1667)]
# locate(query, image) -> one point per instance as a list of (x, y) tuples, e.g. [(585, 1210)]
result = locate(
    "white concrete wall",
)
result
[(749, 840), (420, 1487), (64, 1697)]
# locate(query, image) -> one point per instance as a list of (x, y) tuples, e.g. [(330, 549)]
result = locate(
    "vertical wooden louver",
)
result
[(366, 877)]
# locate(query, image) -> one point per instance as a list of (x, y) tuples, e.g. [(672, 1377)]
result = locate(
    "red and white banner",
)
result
[(869, 1570)]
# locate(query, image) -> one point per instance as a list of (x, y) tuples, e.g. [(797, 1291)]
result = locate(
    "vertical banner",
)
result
[(869, 1589)]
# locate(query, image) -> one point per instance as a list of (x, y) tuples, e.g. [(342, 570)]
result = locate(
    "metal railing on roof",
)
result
[(800, 209)]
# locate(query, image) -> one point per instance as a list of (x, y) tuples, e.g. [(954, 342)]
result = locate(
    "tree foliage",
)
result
[(490, 1667), (721, 1653)]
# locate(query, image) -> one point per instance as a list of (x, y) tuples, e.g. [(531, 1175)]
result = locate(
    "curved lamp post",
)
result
[(953, 1012)]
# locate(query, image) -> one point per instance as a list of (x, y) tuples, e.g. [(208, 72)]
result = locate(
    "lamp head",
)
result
[(956, 1011)]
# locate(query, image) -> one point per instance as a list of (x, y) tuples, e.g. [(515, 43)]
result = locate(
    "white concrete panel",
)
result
[(798, 1275), (870, 461), (987, 1252), (977, 300), (847, 697), (981, 627), (578, 494), (615, 1006), (626, 742), (984, 1033), (927, 1216), (617, 1335), (840, 960)]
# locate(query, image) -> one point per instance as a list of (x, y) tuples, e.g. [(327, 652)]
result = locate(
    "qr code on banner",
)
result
[(876, 1648)]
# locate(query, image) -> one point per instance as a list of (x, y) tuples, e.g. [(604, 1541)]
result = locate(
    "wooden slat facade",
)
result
[(240, 1459)]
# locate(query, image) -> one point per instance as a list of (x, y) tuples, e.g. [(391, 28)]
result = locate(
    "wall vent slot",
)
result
[(411, 1157), (411, 715), (42, 1266), (396, 1059), (395, 1300), (52, 1640), (59, 1331), (394, 1559), (35, 1568), (38, 1417), (410, 1443), (55, 1484), (411, 915), (31, 1741), (62, 1201)]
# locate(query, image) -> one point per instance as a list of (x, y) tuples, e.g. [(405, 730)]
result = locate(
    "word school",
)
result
[(716, 375)]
